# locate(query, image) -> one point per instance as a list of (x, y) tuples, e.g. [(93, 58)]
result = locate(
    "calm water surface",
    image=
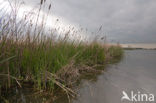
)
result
[(136, 72)]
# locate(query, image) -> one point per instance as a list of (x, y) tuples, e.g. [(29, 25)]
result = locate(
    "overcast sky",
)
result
[(126, 21)]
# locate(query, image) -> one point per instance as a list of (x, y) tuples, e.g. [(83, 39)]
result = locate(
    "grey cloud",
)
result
[(122, 20)]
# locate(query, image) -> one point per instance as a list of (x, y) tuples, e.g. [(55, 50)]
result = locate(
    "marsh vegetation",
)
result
[(31, 55)]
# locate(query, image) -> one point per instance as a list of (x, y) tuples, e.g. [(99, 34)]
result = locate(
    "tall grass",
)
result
[(28, 54)]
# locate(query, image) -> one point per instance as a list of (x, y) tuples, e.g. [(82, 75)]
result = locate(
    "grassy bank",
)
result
[(29, 55), (41, 62)]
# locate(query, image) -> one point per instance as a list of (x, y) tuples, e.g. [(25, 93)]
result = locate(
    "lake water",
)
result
[(136, 72)]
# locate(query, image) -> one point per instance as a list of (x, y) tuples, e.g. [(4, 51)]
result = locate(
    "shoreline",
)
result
[(84, 60), (139, 46)]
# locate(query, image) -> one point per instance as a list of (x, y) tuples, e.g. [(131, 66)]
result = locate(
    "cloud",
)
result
[(57, 23), (122, 20)]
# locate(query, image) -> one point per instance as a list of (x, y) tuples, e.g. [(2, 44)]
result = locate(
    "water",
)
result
[(136, 72)]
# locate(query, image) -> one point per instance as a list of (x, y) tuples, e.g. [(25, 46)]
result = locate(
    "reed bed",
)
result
[(29, 55)]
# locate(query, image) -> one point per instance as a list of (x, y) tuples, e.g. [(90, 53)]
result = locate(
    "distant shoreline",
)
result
[(139, 46)]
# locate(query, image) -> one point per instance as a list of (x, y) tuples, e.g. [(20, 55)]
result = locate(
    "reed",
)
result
[(28, 54)]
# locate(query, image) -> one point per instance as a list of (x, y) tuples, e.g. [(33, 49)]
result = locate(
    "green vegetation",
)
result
[(28, 55), (33, 61)]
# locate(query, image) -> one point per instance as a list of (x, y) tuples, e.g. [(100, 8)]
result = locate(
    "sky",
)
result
[(124, 21)]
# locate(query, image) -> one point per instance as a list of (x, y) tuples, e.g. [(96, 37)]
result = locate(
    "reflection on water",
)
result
[(24, 95), (136, 72)]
